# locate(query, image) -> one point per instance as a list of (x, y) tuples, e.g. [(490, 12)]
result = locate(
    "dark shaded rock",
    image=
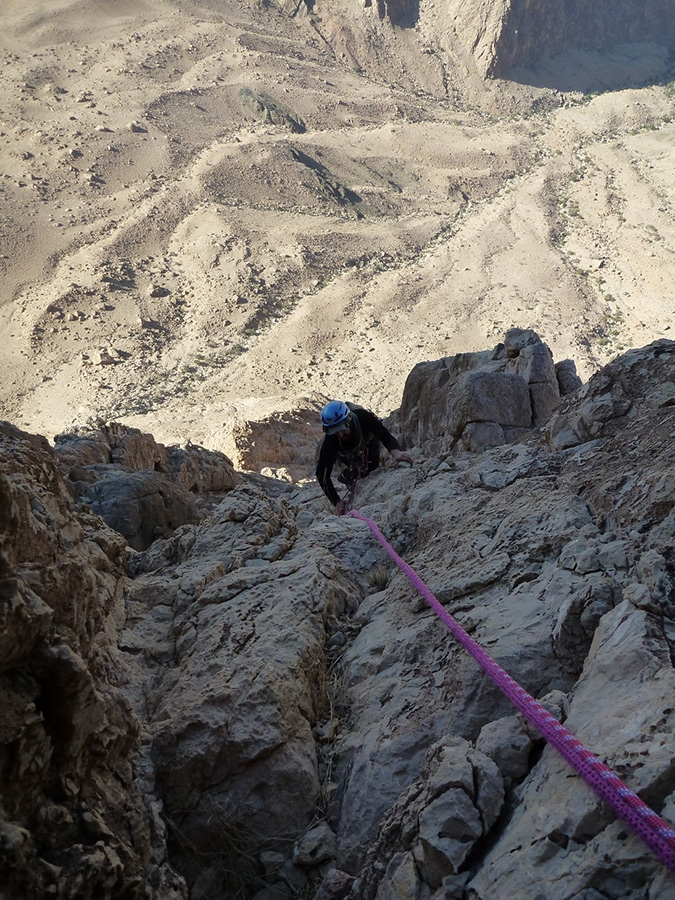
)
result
[(568, 380), (335, 885), (142, 506), (268, 110), (517, 32), (139, 487), (73, 822)]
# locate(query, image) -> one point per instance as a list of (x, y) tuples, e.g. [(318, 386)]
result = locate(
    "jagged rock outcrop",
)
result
[(546, 557), (231, 621), (280, 444), (140, 488), (74, 822), (192, 467), (505, 33), (623, 391), (483, 399), (593, 567)]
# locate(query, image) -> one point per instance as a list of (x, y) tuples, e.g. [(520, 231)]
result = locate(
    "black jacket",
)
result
[(369, 428)]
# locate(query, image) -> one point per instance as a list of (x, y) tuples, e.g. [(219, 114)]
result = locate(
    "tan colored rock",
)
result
[(68, 738), (278, 689), (286, 441), (197, 469)]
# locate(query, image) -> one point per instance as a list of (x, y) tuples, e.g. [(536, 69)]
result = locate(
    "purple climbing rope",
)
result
[(651, 828)]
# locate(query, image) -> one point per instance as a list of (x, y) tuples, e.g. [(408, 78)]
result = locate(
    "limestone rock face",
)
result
[(72, 817), (581, 601), (630, 641), (299, 721), (192, 467), (505, 33), (427, 835), (230, 621), (111, 443)]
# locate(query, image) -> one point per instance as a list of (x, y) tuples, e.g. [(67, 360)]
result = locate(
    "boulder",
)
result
[(199, 470), (142, 506), (140, 488), (428, 834), (318, 845), (508, 742), (568, 380), (480, 400), (285, 441)]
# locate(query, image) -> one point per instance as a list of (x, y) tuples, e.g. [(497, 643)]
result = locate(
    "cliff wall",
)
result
[(75, 817), (503, 34)]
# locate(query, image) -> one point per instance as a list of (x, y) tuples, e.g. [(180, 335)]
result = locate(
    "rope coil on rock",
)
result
[(656, 833)]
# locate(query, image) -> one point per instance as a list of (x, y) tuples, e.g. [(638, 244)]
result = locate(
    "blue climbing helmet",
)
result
[(334, 416)]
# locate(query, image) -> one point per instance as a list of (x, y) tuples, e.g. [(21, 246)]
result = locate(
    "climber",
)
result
[(353, 436)]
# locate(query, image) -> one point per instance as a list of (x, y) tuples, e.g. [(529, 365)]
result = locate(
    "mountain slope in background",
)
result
[(215, 212)]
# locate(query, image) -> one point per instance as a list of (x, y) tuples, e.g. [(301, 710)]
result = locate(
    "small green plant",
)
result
[(609, 333)]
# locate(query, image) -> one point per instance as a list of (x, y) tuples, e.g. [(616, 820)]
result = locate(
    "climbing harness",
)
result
[(348, 498), (356, 456), (651, 828), (356, 461)]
